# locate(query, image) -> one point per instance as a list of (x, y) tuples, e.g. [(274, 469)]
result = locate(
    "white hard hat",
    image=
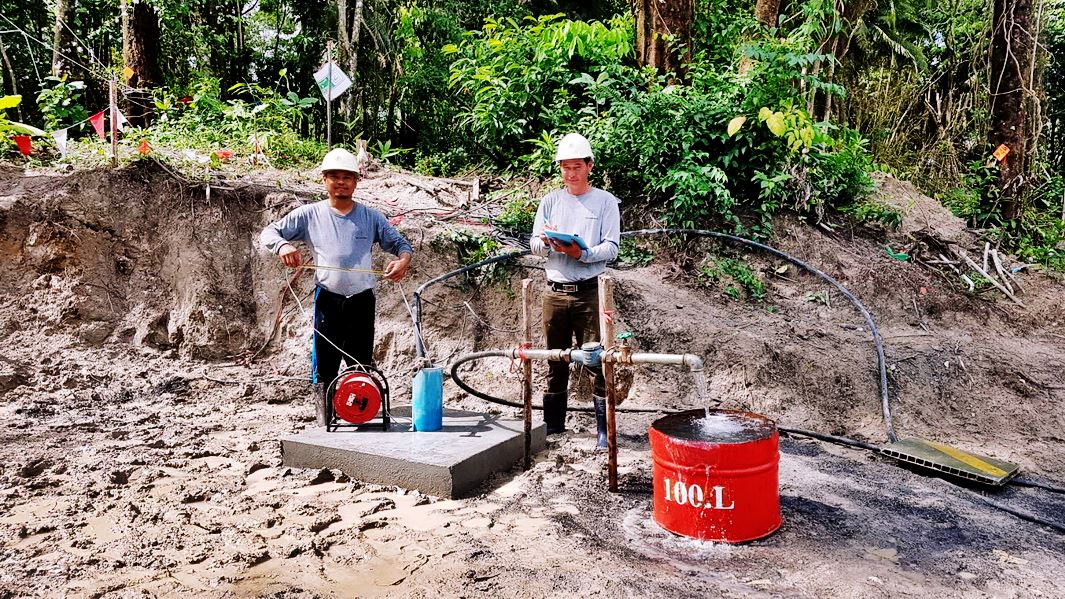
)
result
[(340, 159), (573, 145)]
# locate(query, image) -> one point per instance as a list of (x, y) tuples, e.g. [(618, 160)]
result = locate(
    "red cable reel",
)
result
[(357, 398)]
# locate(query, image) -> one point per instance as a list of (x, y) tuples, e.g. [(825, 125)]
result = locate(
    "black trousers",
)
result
[(569, 317), (349, 323)]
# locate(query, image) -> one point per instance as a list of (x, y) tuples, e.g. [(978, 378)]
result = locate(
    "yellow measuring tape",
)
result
[(310, 266)]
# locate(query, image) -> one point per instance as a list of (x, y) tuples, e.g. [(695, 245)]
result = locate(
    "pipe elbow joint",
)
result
[(693, 362)]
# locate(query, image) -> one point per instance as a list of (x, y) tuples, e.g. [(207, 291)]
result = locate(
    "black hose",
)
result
[(419, 344), (1023, 515), (496, 353), (845, 441), (881, 360), (1023, 481)]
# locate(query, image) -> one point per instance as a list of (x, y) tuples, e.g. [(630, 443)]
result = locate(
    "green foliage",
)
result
[(520, 81), (734, 277), (683, 147), (868, 211), (632, 253), (977, 199), (8, 128), (257, 117), (839, 172), (442, 164), (518, 214), (60, 104), (471, 248), (383, 150), (1039, 236)]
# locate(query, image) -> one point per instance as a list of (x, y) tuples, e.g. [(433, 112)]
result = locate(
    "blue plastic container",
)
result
[(427, 408)]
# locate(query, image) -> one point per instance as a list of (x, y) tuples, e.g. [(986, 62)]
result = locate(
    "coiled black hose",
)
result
[(845, 441), (498, 400), (881, 360)]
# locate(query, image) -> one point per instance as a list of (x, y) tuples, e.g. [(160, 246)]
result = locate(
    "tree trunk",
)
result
[(663, 34), (349, 28), (766, 11), (11, 75), (1013, 96), (140, 52), (63, 42)]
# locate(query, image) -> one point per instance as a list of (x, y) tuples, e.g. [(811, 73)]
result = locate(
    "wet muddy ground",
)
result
[(139, 451)]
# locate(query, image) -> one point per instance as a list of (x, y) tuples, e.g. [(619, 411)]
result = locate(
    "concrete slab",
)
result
[(447, 463)]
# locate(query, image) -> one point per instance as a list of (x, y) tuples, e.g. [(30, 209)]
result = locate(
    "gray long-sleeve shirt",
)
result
[(594, 216), (344, 241)]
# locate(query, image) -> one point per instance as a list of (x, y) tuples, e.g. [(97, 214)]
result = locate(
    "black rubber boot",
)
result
[(555, 412), (600, 422), (321, 406)]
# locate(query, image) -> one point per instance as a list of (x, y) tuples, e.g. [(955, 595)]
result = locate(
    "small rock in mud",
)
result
[(325, 475), (384, 504), (372, 524), (34, 468), (177, 385), (323, 523), (189, 497), (257, 466)]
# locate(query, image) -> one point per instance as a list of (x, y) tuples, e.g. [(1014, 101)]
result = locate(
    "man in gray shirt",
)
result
[(340, 234), (571, 301)]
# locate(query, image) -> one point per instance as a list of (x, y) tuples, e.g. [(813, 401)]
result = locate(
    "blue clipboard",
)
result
[(566, 239)]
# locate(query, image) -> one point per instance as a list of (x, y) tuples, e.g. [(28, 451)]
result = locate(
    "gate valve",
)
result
[(623, 346)]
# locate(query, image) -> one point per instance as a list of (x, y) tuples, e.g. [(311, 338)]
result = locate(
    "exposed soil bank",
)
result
[(140, 452)]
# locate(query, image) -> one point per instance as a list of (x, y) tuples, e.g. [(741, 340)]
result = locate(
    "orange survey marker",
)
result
[(1001, 151)]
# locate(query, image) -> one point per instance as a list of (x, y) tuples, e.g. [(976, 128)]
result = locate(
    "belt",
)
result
[(574, 287)]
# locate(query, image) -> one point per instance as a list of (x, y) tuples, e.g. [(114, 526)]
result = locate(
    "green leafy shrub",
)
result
[(470, 248), (867, 211), (732, 276), (525, 84), (60, 103), (256, 117), (632, 253), (977, 200), (518, 214), (528, 79), (1039, 236)]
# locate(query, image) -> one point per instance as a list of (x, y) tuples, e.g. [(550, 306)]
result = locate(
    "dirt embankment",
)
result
[(139, 451)]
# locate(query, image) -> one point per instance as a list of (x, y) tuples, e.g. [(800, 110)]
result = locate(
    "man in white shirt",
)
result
[(571, 301)]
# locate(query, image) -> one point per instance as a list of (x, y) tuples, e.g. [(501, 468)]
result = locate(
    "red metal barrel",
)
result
[(715, 478)]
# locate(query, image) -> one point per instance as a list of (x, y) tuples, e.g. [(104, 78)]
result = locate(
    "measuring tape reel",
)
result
[(356, 396)]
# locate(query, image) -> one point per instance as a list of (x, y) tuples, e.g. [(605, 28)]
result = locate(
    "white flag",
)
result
[(60, 138), (122, 122), (332, 81)]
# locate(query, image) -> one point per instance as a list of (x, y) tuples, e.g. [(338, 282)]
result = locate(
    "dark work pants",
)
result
[(349, 323), (569, 316)]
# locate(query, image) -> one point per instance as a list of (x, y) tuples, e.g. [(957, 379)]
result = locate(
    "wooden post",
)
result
[(526, 365), (606, 337), (329, 95), (114, 125)]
